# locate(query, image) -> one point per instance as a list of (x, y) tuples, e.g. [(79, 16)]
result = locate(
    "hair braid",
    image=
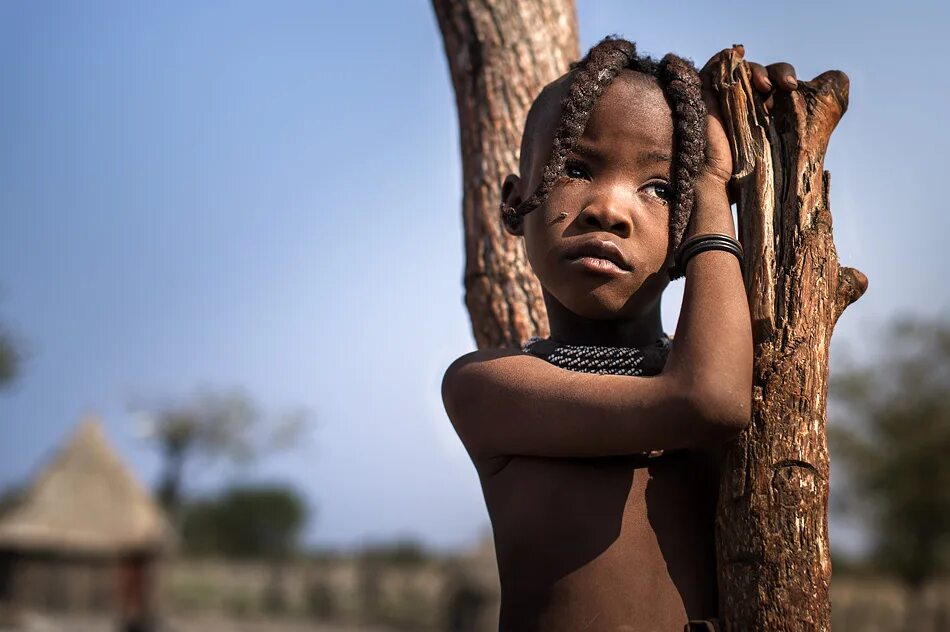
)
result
[(683, 88), (591, 76)]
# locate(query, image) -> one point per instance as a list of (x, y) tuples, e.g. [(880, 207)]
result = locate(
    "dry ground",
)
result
[(178, 624)]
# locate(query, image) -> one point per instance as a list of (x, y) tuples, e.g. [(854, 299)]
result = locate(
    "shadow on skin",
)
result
[(681, 507), (591, 496), (539, 545)]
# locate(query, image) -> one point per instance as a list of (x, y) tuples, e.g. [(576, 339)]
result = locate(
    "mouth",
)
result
[(598, 255)]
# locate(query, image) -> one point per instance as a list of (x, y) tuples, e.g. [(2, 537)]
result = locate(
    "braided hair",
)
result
[(590, 76)]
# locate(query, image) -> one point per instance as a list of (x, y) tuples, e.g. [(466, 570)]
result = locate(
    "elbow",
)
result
[(723, 413)]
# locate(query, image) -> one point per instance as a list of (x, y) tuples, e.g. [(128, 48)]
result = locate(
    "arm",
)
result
[(712, 355), (504, 402)]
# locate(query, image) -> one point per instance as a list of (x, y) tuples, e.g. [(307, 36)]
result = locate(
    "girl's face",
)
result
[(600, 242)]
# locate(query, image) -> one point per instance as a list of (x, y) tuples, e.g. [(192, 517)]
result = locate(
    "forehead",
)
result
[(632, 110), (631, 116)]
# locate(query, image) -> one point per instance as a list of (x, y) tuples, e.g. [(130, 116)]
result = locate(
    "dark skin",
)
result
[(590, 534)]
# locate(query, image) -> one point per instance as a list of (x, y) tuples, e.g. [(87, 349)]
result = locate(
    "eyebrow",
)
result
[(655, 156), (649, 157), (586, 151)]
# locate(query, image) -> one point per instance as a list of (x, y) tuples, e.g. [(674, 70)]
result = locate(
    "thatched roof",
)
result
[(85, 501)]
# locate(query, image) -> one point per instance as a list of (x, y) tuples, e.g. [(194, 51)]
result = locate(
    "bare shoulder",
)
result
[(468, 383), (473, 375), (487, 371), (479, 388), (481, 364)]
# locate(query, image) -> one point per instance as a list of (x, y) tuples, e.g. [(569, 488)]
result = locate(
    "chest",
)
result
[(524, 490)]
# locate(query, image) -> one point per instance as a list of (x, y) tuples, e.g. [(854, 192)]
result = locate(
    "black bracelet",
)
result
[(700, 243)]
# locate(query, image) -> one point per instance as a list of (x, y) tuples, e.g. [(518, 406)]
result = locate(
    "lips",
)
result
[(599, 249)]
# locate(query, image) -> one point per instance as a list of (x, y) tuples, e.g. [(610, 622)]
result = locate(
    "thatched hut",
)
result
[(84, 536)]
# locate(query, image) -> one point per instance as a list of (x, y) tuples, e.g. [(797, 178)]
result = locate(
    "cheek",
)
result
[(651, 234), (543, 232), (540, 241)]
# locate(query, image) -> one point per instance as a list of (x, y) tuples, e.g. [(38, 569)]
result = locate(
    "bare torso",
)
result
[(613, 543)]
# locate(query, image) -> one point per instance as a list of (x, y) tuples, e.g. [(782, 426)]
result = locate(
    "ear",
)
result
[(511, 196)]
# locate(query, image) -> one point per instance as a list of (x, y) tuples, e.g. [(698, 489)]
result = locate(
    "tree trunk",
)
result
[(772, 529), (501, 53)]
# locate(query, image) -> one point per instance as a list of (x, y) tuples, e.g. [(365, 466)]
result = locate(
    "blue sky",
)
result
[(267, 196)]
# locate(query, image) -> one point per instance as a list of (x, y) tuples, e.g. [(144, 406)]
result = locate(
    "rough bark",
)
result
[(772, 529), (501, 53)]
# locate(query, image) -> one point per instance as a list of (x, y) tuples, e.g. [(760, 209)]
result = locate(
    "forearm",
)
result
[(711, 355)]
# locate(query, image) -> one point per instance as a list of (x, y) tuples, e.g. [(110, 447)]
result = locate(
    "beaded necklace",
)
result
[(602, 359)]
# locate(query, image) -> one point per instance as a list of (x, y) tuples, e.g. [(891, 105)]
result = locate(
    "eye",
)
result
[(576, 170), (661, 190)]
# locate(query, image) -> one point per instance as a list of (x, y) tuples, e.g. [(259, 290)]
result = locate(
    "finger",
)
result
[(760, 77), (783, 75)]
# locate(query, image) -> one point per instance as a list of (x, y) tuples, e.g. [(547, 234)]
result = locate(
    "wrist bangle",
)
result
[(700, 243)]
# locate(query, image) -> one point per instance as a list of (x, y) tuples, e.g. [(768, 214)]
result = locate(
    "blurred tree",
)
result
[(401, 552), (252, 522), (212, 425), (10, 497), (893, 440), (501, 53), (9, 359)]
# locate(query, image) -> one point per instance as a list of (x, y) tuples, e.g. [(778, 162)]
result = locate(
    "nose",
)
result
[(609, 212)]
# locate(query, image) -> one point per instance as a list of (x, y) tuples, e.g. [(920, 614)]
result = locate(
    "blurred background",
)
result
[(231, 279)]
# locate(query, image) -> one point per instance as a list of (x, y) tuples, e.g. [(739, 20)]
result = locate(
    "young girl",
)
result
[(597, 449)]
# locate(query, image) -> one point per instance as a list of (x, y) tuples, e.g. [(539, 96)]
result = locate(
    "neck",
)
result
[(640, 331)]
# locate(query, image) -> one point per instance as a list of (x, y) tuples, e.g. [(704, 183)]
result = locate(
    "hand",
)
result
[(765, 79)]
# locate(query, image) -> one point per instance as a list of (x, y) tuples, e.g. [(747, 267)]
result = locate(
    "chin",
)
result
[(607, 301), (598, 304)]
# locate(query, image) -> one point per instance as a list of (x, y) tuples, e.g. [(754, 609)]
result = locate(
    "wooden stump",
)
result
[(772, 529)]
